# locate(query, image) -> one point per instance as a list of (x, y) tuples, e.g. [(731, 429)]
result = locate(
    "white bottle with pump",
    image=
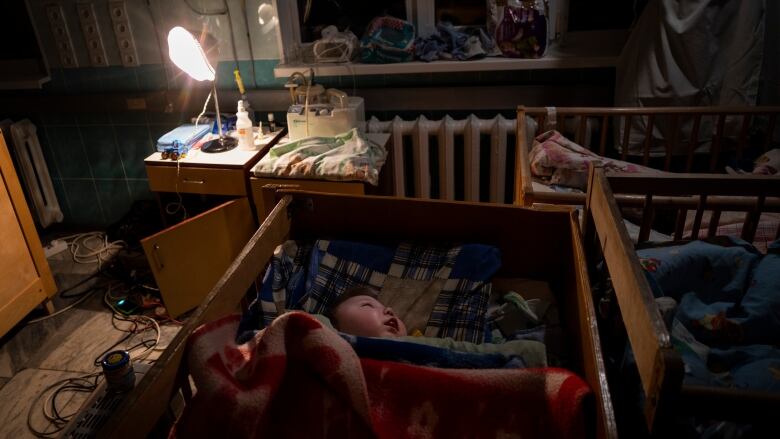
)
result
[(246, 140)]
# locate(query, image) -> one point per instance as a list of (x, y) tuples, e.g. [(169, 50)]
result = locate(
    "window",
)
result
[(301, 21)]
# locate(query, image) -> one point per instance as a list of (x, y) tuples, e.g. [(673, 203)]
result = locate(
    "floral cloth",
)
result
[(563, 162)]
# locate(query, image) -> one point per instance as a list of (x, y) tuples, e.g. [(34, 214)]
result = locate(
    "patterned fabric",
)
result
[(310, 277), (565, 163), (297, 378), (346, 157), (726, 318)]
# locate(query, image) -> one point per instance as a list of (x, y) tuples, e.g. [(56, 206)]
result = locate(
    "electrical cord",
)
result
[(50, 410), (168, 103), (249, 41)]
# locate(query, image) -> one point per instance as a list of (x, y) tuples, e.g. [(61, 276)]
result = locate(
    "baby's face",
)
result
[(366, 317)]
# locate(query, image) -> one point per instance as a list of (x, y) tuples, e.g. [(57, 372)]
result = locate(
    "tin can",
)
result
[(118, 370)]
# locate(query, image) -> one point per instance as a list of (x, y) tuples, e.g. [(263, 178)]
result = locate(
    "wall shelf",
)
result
[(580, 50)]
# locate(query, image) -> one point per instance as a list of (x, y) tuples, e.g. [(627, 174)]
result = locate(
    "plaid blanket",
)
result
[(310, 276), (297, 378)]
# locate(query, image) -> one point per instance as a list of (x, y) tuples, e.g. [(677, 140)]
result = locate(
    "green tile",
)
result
[(151, 77), (139, 189), (119, 79), (128, 118), (407, 80), (504, 77), (48, 152), (162, 118), (225, 80), (69, 152), (57, 82), (114, 198), (84, 204), (93, 118), (264, 74), (57, 118), (62, 198), (102, 152), (134, 146), (454, 78), (72, 80), (370, 81), (92, 79)]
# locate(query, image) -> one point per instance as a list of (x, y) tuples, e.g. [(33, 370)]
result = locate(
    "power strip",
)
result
[(55, 247)]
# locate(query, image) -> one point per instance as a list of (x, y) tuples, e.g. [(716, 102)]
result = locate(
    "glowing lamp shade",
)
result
[(185, 51)]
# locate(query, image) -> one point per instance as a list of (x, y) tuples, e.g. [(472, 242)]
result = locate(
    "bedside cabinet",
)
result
[(188, 258)]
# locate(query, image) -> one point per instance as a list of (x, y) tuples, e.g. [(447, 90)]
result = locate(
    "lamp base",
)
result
[(221, 144)]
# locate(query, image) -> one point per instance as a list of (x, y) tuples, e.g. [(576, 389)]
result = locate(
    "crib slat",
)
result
[(770, 131), (697, 218), (715, 152), (712, 230), (603, 140), (743, 134), (580, 136), (648, 138), (626, 132), (671, 145), (422, 175), (647, 219), (679, 227), (694, 141), (751, 220)]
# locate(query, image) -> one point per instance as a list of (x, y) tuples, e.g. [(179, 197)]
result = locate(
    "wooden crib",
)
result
[(541, 244), (598, 129), (658, 363)]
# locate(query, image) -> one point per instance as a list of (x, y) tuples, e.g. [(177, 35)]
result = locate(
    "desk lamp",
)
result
[(188, 55)]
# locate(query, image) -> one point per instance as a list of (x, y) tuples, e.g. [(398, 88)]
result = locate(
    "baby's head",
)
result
[(358, 312)]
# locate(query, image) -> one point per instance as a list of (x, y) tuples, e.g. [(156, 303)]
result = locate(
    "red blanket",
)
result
[(300, 379)]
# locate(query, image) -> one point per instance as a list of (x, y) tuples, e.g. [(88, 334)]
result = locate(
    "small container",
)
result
[(118, 370), (246, 138), (271, 122)]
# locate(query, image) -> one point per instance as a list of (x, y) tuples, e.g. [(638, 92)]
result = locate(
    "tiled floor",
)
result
[(36, 355)]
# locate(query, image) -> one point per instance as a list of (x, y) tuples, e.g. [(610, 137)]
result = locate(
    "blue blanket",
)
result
[(728, 312), (388, 349), (309, 276)]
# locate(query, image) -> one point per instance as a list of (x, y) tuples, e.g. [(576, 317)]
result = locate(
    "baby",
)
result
[(358, 312)]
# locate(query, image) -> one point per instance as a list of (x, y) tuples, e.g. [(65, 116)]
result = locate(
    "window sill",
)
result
[(581, 50)]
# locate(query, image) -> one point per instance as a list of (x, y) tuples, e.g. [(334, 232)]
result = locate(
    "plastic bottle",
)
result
[(246, 140), (271, 122)]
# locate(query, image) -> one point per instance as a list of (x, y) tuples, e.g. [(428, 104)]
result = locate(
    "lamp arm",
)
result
[(216, 105)]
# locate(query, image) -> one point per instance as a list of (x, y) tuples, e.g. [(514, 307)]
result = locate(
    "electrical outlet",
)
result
[(123, 33), (91, 31), (59, 30)]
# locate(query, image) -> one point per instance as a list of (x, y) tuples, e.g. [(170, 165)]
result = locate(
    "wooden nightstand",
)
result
[(337, 187), (188, 258)]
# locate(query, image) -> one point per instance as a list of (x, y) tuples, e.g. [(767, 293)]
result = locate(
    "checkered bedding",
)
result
[(310, 275)]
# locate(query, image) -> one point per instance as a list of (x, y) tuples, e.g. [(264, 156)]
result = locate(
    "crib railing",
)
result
[(607, 131), (446, 133)]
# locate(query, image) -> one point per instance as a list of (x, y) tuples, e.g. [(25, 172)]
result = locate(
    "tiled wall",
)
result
[(96, 159)]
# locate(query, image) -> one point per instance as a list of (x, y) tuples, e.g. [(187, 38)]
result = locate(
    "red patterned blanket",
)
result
[(298, 378)]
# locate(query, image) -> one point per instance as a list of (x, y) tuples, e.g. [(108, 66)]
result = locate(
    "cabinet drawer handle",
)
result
[(156, 257), (189, 180)]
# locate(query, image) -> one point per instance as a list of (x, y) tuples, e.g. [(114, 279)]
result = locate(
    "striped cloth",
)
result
[(309, 276)]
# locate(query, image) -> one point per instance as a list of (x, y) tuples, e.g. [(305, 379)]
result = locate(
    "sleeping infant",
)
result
[(358, 312)]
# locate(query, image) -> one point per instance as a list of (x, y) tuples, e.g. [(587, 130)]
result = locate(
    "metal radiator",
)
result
[(472, 132), (33, 170)]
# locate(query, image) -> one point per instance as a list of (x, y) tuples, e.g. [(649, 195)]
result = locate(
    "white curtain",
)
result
[(692, 53)]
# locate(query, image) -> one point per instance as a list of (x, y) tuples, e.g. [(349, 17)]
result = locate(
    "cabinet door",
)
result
[(188, 258)]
